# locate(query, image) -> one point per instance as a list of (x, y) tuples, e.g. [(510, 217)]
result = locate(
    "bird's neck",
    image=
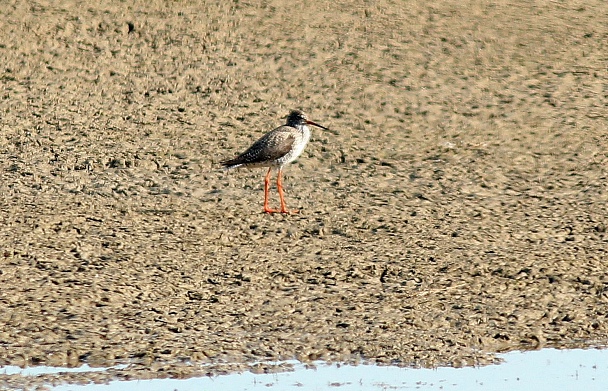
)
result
[(303, 128)]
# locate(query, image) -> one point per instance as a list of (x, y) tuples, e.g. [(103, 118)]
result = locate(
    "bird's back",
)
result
[(269, 150)]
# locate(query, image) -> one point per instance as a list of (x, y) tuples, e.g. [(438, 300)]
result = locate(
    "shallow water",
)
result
[(42, 370), (547, 369)]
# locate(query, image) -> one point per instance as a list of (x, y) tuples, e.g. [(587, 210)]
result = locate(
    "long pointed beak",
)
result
[(316, 124)]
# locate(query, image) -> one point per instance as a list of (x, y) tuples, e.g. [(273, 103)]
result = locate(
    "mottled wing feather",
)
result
[(270, 147)]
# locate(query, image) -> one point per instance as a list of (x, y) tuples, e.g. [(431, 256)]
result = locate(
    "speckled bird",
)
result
[(276, 148)]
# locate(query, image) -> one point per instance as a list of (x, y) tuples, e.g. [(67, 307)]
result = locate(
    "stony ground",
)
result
[(458, 209)]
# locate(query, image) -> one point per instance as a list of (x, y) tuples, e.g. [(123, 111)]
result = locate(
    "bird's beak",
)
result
[(315, 124)]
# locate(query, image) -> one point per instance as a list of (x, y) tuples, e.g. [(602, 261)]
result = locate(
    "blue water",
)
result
[(543, 370)]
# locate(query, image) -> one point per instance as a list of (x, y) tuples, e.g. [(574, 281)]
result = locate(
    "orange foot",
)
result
[(290, 212), (284, 211)]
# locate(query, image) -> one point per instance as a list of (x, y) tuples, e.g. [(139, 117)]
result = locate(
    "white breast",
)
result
[(299, 145)]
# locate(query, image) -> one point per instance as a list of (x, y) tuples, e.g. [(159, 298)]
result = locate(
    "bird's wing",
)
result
[(273, 145)]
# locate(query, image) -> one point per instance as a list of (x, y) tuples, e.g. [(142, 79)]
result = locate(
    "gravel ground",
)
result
[(457, 210)]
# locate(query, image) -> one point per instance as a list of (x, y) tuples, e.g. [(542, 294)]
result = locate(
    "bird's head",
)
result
[(297, 117)]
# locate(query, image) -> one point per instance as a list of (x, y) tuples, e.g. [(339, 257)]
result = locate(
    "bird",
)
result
[(276, 149)]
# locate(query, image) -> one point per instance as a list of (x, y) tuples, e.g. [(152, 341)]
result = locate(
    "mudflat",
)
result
[(457, 209)]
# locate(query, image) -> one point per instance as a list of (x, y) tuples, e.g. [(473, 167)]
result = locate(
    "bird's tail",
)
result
[(230, 167), (232, 163)]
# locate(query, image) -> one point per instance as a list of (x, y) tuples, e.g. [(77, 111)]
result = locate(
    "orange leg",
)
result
[(266, 193), (281, 196)]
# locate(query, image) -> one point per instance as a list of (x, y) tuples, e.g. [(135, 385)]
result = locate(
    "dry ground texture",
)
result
[(459, 210)]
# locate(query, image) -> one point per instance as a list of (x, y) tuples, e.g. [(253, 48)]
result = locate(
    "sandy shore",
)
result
[(459, 210)]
